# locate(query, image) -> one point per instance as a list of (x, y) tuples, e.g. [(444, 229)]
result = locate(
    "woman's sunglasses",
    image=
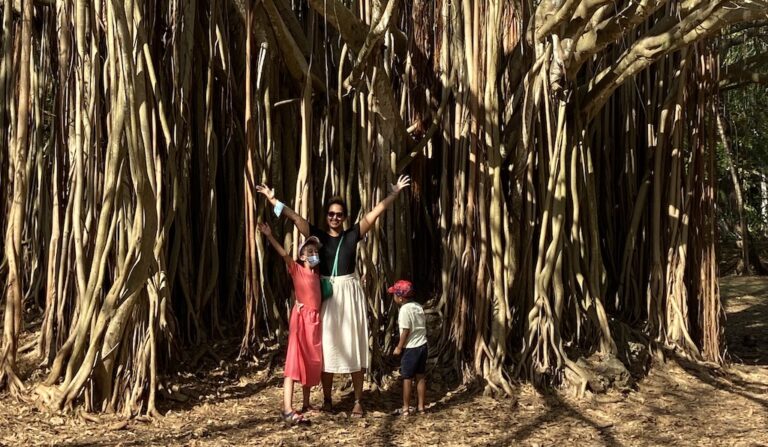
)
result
[(331, 214)]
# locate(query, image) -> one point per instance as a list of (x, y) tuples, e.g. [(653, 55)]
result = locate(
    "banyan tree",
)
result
[(562, 151)]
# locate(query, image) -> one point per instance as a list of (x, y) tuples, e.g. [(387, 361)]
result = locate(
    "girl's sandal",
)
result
[(293, 418), (307, 409), (327, 405), (360, 412)]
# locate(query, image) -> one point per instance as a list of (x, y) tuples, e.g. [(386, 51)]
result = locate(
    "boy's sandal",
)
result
[(360, 413), (327, 405), (421, 411), (293, 418)]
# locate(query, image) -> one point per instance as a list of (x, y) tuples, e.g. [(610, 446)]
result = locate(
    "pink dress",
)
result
[(304, 359)]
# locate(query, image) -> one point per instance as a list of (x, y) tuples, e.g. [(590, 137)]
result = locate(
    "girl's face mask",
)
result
[(313, 260)]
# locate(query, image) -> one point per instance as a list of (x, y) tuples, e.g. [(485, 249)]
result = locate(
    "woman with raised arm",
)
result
[(344, 315)]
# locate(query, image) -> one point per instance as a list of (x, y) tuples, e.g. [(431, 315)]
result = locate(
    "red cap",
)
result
[(402, 287)]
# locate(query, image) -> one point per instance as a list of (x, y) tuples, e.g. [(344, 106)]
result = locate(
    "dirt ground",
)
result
[(677, 404)]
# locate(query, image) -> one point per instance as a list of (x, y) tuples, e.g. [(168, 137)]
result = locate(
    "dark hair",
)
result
[(417, 295), (336, 200)]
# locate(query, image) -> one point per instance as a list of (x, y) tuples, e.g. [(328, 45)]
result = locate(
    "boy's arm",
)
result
[(264, 228), (403, 341), (300, 222)]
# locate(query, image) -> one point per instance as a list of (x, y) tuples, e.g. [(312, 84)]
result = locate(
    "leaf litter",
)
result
[(678, 403)]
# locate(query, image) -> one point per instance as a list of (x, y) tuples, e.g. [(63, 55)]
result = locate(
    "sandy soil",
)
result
[(679, 403)]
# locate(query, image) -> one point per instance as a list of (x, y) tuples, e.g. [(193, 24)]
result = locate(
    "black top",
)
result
[(347, 253)]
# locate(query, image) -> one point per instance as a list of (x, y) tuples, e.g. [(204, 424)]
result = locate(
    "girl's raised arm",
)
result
[(266, 231), (370, 218), (280, 208)]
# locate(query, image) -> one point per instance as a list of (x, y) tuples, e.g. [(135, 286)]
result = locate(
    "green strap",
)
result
[(336, 259)]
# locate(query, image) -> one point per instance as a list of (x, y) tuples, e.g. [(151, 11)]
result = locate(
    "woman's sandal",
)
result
[(327, 405), (294, 418), (402, 412), (360, 413)]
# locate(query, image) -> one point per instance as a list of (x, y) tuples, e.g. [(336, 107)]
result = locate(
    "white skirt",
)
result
[(345, 327)]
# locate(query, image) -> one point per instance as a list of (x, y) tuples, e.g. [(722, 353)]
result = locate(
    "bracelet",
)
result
[(279, 208)]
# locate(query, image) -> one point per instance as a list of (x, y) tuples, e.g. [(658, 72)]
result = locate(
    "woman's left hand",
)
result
[(402, 182)]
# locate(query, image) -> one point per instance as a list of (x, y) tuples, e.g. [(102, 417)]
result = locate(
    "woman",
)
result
[(344, 315)]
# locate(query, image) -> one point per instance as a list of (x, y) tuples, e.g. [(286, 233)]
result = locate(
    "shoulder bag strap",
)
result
[(336, 259)]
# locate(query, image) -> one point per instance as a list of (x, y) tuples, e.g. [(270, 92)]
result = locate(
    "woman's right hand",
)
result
[(402, 182), (264, 229), (268, 192)]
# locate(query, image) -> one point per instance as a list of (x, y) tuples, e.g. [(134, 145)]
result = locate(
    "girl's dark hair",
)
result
[(336, 200)]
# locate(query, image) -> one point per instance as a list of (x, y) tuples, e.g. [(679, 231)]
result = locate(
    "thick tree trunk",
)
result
[(743, 267), (12, 324)]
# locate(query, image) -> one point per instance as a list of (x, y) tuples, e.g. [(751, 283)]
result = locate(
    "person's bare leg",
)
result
[(327, 381), (287, 395), (357, 384), (407, 395), (421, 391)]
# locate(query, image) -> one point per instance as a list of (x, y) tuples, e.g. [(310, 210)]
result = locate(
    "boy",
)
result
[(413, 345)]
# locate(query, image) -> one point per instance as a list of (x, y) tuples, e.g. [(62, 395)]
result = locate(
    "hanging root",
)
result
[(563, 200), (12, 382)]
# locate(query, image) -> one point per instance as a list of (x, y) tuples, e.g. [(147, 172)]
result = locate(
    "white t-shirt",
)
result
[(412, 317)]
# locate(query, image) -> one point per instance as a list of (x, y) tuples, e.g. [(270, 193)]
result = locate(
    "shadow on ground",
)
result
[(228, 402), (746, 301)]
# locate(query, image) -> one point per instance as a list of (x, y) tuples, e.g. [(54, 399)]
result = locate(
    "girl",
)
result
[(304, 359)]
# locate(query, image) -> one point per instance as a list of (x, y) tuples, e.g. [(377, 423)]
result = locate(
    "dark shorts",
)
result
[(414, 361)]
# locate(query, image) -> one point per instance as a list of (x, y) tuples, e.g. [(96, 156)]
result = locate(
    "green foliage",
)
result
[(746, 112)]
